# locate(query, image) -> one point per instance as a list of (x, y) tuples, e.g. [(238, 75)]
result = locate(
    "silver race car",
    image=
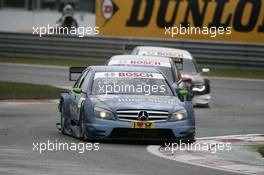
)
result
[(188, 68)]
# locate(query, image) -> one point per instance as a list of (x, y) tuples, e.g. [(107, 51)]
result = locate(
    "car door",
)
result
[(76, 97)]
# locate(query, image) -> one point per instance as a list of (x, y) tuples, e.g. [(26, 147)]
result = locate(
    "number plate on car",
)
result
[(139, 124)]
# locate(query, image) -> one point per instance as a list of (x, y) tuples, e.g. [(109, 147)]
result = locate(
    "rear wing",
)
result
[(75, 70)]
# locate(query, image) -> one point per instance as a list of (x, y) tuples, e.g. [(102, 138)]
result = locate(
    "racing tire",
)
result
[(207, 105), (62, 120), (82, 127), (190, 139), (202, 105)]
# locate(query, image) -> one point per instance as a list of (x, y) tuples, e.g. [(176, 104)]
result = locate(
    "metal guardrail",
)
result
[(212, 54)]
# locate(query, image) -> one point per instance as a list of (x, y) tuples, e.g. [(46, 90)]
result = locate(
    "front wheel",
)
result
[(191, 138), (82, 127)]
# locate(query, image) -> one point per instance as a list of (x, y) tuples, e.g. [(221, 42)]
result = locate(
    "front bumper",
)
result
[(121, 130), (202, 99)]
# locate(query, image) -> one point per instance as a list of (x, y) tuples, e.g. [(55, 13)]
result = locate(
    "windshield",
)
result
[(164, 66), (187, 65), (133, 83), (167, 72)]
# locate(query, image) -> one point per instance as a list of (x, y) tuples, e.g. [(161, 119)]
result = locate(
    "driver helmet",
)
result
[(67, 10)]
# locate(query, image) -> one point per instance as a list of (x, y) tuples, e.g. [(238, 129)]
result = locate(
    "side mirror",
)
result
[(186, 79), (205, 70), (183, 92), (77, 90)]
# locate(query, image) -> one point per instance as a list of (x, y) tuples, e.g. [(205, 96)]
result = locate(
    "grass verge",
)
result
[(10, 90), (55, 62)]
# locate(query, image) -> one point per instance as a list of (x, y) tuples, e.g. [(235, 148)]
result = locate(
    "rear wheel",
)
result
[(202, 105), (62, 119), (207, 105)]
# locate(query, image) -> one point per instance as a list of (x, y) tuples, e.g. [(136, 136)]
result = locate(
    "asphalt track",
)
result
[(237, 108)]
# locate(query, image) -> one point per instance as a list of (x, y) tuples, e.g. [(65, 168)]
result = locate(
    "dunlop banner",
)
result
[(226, 20)]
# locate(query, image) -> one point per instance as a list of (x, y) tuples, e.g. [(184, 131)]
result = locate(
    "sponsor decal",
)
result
[(109, 8), (147, 100), (140, 124), (142, 62), (135, 74), (164, 54), (128, 75)]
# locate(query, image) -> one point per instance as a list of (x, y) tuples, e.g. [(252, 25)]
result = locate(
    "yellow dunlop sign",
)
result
[(229, 20)]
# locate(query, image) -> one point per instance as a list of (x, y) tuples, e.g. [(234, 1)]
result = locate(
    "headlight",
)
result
[(103, 114), (178, 116), (199, 88)]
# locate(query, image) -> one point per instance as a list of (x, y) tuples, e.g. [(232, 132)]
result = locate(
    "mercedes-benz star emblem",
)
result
[(143, 115)]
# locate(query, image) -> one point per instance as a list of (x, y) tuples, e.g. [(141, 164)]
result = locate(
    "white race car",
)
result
[(164, 64), (188, 68)]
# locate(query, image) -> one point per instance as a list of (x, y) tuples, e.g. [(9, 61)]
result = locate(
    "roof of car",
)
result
[(147, 57), (140, 60), (183, 53), (124, 69)]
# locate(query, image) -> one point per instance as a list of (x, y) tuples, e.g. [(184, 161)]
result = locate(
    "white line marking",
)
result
[(214, 161), (154, 150), (227, 136), (244, 168)]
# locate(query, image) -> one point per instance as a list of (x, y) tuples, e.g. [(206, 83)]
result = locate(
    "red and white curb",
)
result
[(218, 161)]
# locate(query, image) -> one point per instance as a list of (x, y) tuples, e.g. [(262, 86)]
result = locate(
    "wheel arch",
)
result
[(86, 107), (64, 101), (190, 111)]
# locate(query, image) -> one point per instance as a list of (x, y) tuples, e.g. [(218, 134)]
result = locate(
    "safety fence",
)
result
[(209, 53)]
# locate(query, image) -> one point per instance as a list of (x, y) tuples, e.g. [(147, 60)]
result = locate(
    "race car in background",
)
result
[(128, 103), (188, 68), (164, 64)]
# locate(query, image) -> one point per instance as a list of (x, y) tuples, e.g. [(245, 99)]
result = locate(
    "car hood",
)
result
[(196, 77), (117, 102)]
